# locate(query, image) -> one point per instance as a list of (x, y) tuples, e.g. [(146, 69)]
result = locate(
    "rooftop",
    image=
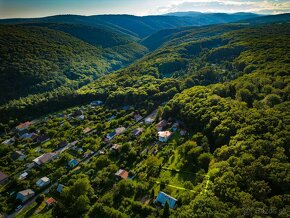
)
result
[(3, 176), (163, 197), (122, 173), (50, 201), (164, 134)]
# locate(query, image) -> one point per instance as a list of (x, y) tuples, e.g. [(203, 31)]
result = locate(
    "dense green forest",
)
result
[(37, 60), (223, 92)]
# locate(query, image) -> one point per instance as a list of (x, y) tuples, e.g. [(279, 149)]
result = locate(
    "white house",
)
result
[(164, 136), (43, 182)]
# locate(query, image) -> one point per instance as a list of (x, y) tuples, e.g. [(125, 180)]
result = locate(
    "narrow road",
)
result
[(84, 160), (32, 200)]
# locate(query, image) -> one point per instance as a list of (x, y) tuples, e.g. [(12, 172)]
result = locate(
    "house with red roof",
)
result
[(122, 174), (50, 202)]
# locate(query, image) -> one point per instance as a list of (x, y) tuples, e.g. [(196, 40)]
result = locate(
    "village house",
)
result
[(3, 178), (77, 113), (23, 126), (182, 132), (96, 103), (50, 202), (22, 132), (111, 135), (60, 188), (9, 141), (149, 120), (115, 147), (164, 136), (81, 117), (62, 144), (87, 130), (161, 125), (43, 182), (137, 117), (25, 195), (73, 163), (162, 198), (137, 131), (23, 176), (28, 136), (112, 117), (42, 138), (175, 126), (45, 158), (88, 153), (120, 130), (102, 152), (17, 155), (122, 174), (151, 117)]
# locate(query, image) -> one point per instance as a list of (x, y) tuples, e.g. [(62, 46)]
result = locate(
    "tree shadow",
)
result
[(30, 212)]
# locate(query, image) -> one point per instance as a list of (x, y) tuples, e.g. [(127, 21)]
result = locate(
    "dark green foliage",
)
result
[(166, 211)]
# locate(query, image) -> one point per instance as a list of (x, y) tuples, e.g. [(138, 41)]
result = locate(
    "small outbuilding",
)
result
[(162, 198), (122, 174), (25, 195)]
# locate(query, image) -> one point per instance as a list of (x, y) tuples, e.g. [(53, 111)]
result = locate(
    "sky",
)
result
[(41, 8)]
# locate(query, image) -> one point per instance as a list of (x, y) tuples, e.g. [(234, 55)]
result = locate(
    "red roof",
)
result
[(122, 173), (50, 201), (23, 125)]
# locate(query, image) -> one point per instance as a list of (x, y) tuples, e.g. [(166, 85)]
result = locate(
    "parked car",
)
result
[(19, 207)]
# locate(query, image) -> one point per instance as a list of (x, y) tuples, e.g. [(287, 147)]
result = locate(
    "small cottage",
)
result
[(25, 195), (3, 178), (122, 174), (161, 125), (49, 202), (17, 155), (162, 198), (73, 163), (120, 130), (60, 188), (164, 136), (43, 182), (111, 135)]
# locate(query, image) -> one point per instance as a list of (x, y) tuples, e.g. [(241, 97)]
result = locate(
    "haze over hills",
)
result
[(157, 39), (137, 26)]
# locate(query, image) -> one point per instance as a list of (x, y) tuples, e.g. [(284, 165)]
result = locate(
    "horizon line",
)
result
[(84, 15)]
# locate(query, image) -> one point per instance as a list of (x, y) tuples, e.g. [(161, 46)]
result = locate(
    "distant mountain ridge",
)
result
[(157, 39), (137, 26)]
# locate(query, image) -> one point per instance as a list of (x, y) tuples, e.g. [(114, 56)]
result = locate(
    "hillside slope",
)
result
[(36, 60), (193, 56), (224, 97), (97, 36)]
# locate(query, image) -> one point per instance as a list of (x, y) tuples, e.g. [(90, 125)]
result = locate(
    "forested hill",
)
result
[(134, 25), (193, 58), (97, 36), (223, 92), (36, 60), (157, 39)]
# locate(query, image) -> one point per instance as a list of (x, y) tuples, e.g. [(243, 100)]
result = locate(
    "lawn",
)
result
[(35, 210)]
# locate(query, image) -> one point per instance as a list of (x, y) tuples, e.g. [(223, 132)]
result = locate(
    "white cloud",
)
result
[(256, 6)]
